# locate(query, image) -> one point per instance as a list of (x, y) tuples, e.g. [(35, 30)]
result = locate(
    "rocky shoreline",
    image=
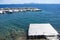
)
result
[(11, 10)]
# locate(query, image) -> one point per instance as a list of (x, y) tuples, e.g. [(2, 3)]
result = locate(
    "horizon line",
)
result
[(35, 3)]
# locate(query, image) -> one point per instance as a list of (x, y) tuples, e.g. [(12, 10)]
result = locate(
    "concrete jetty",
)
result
[(11, 10), (43, 31)]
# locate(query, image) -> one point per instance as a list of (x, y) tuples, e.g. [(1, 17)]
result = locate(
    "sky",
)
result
[(29, 1)]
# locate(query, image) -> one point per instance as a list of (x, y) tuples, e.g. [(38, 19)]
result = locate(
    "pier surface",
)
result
[(11, 10)]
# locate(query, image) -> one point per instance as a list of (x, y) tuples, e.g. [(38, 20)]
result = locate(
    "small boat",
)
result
[(1, 11)]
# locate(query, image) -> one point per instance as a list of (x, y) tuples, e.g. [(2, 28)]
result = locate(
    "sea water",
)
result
[(21, 20)]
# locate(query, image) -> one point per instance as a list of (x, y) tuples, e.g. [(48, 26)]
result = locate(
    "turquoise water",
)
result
[(20, 21), (17, 22), (23, 19)]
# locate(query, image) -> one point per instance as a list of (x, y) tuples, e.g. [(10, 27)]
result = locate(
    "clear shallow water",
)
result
[(22, 20)]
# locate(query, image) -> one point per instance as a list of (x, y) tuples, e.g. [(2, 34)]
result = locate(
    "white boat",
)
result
[(1, 11), (43, 31)]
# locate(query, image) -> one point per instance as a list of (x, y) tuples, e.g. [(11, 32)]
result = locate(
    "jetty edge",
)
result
[(11, 10)]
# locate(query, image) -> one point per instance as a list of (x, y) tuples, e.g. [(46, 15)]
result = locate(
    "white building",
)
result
[(42, 31)]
